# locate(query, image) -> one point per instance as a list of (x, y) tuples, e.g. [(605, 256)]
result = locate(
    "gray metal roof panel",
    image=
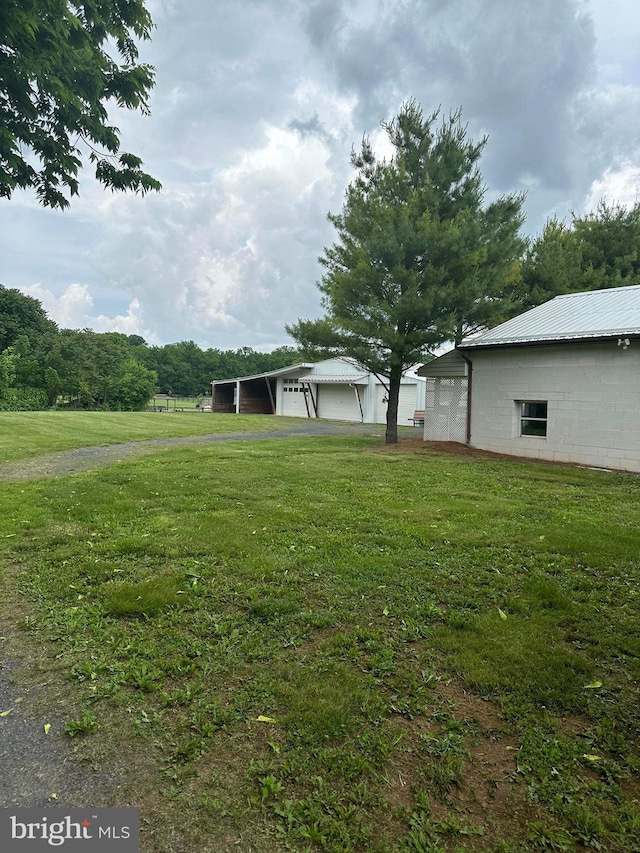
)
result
[(573, 316)]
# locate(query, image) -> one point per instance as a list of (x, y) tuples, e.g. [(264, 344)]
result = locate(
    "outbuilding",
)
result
[(560, 382), (336, 389)]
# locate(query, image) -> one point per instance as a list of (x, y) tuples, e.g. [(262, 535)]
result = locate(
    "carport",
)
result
[(249, 395), (255, 396)]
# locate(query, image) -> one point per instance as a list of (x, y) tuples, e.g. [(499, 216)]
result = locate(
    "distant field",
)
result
[(175, 402), (27, 434)]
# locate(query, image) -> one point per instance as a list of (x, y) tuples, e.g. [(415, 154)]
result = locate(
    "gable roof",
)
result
[(281, 371), (589, 315)]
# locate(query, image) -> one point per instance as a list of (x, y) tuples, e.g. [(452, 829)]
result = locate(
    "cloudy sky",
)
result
[(256, 108)]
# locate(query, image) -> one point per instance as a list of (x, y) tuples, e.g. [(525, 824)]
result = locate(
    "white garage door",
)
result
[(293, 404), (406, 404), (338, 402)]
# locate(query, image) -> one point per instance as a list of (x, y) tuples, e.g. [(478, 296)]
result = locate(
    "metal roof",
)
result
[(282, 371), (573, 316), (345, 379), (354, 374)]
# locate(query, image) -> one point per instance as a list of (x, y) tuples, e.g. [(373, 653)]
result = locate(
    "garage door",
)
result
[(293, 404), (406, 404), (338, 402)]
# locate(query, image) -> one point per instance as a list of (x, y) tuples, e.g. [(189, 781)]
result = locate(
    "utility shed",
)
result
[(560, 382), (335, 389)]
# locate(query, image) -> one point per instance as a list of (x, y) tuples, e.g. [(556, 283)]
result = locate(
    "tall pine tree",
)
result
[(419, 258)]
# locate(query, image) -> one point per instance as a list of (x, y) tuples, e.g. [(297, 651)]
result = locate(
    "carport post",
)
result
[(273, 402), (355, 388), (314, 401), (304, 394), (237, 397)]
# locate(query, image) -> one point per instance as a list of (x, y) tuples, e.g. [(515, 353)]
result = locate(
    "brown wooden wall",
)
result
[(254, 397)]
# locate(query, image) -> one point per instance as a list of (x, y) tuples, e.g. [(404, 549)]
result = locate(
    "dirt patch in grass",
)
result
[(491, 782), (489, 792), (419, 445)]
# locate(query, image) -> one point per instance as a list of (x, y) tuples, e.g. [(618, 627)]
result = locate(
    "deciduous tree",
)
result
[(23, 315), (62, 63)]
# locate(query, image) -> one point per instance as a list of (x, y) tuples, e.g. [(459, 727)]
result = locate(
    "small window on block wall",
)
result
[(533, 418)]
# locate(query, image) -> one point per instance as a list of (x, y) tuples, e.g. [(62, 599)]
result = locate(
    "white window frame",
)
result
[(524, 417)]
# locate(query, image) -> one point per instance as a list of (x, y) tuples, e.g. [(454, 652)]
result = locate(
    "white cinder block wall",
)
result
[(593, 402)]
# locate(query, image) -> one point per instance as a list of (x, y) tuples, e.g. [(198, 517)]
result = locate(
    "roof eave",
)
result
[(281, 371), (532, 342)]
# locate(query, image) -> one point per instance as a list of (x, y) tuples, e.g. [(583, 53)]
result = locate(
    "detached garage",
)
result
[(335, 389)]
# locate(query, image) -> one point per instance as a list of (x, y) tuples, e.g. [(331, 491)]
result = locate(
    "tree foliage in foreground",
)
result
[(58, 75), (598, 250), (419, 257)]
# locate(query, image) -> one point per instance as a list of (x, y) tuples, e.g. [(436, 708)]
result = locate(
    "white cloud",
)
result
[(618, 185), (74, 309), (232, 259)]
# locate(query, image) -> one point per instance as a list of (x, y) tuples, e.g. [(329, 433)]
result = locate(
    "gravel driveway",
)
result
[(68, 462)]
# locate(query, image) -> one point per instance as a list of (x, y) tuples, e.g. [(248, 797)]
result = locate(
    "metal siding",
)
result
[(335, 368), (450, 364), (293, 404)]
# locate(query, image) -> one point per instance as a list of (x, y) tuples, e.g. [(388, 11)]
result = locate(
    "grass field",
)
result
[(321, 645), (28, 434)]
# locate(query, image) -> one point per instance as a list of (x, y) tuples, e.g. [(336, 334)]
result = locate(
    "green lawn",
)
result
[(321, 646), (26, 434)]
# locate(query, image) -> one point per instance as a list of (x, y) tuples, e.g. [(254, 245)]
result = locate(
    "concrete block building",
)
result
[(560, 382)]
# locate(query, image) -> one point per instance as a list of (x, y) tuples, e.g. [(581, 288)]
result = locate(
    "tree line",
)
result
[(43, 366)]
